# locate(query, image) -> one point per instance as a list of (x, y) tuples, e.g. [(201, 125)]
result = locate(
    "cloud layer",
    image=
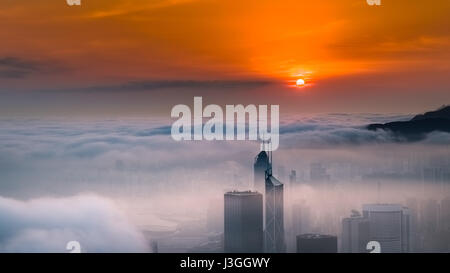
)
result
[(42, 157), (138, 159), (12, 67)]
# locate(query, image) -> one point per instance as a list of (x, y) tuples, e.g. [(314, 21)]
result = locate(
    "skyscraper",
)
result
[(416, 238), (260, 166), (444, 214), (318, 172), (243, 222), (430, 215), (293, 178), (390, 226), (274, 228), (355, 233), (316, 243)]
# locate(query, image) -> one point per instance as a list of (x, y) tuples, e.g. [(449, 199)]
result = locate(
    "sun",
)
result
[(300, 82)]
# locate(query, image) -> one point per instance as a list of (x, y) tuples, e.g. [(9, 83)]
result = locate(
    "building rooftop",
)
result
[(275, 182), (315, 236), (262, 158), (382, 207), (242, 193)]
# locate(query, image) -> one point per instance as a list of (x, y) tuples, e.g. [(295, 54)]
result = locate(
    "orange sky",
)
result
[(105, 41)]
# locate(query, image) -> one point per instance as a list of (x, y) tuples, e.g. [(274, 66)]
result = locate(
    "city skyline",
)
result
[(124, 124)]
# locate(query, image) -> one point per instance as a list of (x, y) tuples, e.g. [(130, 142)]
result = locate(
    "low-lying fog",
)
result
[(126, 185)]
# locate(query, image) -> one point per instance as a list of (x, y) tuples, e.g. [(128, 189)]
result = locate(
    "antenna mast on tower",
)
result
[(269, 154)]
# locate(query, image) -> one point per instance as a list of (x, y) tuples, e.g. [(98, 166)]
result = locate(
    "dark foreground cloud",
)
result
[(12, 67), (148, 85)]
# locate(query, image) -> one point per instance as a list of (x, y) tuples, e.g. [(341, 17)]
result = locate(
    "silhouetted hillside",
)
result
[(443, 112), (419, 126)]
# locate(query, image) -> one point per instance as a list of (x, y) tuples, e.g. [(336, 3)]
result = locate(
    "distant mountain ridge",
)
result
[(443, 112), (418, 126)]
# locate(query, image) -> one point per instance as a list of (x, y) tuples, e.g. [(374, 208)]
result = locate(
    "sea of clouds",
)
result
[(53, 172), (41, 156)]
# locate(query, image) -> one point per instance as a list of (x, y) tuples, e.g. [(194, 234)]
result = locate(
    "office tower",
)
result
[(444, 214), (406, 231), (413, 206), (429, 229), (389, 225), (154, 246), (316, 243), (292, 178), (260, 166), (444, 225), (318, 172), (433, 174), (274, 213), (243, 222), (429, 215), (355, 233)]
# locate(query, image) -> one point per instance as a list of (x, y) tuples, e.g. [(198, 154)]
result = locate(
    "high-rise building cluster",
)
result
[(387, 224), (256, 220)]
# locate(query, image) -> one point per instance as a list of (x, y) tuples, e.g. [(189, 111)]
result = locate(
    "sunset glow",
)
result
[(300, 82), (116, 42), (223, 38)]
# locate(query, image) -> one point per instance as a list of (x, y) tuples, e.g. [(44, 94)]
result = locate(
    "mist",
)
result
[(168, 196), (48, 224)]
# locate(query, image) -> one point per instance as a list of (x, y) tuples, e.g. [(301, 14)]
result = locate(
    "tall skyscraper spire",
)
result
[(274, 212), (261, 164)]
